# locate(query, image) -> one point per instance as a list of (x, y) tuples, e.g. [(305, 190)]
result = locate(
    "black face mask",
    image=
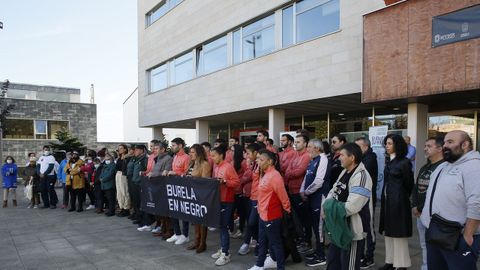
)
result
[(449, 156)]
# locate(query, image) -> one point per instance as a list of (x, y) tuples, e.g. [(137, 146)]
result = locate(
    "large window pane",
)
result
[(213, 56), (317, 20), (440, 125), (237, 54), (161, 10), (40, 129), (258, 38), (183, 68), (54, 126), (18, 129), (287, 27), (158, 78)]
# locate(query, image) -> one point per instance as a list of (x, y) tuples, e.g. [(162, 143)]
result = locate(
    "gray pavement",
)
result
[(56, 239)]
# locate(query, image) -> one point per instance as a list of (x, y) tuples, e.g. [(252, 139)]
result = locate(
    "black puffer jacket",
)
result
[(395, 212)]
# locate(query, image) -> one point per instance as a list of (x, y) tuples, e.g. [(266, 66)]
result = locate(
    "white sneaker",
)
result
[(244, 249), (145, 229), (217, 254), (253, 243), (237, 235), (35, 206), (90, 207), (173, 238), (29, 206), (211, 229), (181, 240), (224, 259), (255, 267), (156, 230), (269, 263)]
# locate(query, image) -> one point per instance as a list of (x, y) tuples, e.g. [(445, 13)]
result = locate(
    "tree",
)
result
[(66, 142)]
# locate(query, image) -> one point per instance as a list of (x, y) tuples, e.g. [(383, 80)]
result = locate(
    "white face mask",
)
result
[(96, 166), (46, 153), (9, 161), (108, 161), (89, 161)]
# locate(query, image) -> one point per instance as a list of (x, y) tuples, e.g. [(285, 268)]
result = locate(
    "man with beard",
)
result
[(454, 194), (288, 153)]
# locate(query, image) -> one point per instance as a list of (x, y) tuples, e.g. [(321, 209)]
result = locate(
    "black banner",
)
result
[(192, 199), (456, 26)]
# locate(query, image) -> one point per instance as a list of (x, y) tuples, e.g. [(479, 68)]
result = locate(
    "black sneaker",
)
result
[(304, 249), (311, 256), (316, 262), (366, 263)]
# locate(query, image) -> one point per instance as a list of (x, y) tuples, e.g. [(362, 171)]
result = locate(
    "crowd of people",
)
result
[(316, 190)]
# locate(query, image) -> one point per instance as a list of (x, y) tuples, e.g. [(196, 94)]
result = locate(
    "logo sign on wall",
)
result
[(377, 135), (456, 26)]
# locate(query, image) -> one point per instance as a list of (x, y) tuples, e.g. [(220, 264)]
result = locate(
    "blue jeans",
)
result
[(176, 227), (270, 238), (252, 228), (423, 245), (464, 258), (225, 216)]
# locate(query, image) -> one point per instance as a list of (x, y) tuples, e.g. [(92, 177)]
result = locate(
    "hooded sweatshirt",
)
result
[(457, 196)]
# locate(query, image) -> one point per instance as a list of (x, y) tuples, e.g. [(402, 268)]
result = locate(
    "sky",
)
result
[(74, 43)]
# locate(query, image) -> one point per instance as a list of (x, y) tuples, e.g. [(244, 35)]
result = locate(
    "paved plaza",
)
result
[(55, 239)]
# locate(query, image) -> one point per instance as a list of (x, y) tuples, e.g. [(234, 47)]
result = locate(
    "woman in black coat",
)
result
[(395, 212)]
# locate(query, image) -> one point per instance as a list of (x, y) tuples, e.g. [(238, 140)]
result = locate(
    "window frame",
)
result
[(35, 129), (167, 4)]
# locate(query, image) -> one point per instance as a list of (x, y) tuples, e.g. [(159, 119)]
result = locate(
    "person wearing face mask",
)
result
[(107, 180), (75, 182), (98, 167), (453, 194), (62, 178), (30, 176), (87, 170), (9, 175), (45, 169)]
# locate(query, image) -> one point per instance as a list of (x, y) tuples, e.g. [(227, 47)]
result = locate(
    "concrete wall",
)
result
[(131, 130), (400, 62), (81, 116), (323, 67)]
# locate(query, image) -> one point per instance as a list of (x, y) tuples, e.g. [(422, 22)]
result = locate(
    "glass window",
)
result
[(18, 129), (183, 68), (258, 38), (351, 124), (237, 54), (54, 126), (161, 10), (287, 27), (316, 18), (213, 56), (40, 129), (158, 78), (440, 125)]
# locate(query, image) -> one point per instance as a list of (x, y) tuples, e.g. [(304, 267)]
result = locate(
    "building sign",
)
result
[(192, 199), (377, 135), (456, 26)]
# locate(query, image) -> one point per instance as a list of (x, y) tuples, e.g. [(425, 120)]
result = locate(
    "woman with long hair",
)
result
[(199, 167), (395, 211), (240, 165), (9, 175)]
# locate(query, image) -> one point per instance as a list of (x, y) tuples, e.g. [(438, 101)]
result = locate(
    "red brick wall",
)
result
[(399, 61)]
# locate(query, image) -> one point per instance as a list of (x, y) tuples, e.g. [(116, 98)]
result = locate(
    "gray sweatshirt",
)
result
[(457, 196)]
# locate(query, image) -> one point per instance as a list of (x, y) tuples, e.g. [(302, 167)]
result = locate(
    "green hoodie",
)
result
[(336, 223)]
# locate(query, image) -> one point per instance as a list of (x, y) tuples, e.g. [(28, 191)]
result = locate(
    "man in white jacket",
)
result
[(354, 188)]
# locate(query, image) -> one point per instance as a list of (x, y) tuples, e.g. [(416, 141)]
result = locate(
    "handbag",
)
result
[(28, 192), (442, 232)]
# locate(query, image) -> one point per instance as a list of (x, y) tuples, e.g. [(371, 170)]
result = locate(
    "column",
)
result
[(418, 131), (276, 124), (201, 127), (157, 133)]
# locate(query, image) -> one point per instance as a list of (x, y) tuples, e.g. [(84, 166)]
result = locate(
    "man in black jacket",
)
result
[(369, 159)]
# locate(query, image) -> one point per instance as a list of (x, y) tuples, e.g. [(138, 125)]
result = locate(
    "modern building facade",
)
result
[(331, 66), (40, 111)]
